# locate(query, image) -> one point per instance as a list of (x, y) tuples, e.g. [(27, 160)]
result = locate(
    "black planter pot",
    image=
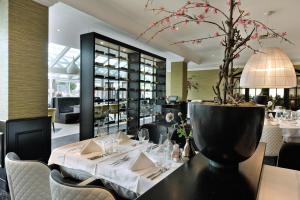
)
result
[(226, 134)]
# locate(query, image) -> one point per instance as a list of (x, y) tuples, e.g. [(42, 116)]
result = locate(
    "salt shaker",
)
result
[(176, 153)]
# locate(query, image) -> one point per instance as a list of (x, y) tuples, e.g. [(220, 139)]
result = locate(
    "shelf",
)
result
[(123, 69), (100, 52), (106, 77), (105, 100), (142, 81), (116, 79), (105, 89), (148, 73)]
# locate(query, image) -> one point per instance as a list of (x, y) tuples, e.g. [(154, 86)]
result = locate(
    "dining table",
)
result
[(290, 130), (121, 177)]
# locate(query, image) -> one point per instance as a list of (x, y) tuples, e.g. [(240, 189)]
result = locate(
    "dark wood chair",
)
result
[(288, 156), (155, 130)]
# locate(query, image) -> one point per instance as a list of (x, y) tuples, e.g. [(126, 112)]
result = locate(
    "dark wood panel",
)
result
[(87, 57), (196, 180), (29, 138)]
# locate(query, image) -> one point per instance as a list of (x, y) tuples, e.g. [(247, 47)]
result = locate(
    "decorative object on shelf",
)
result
[(73, 68), (269, 68), (227, 131)]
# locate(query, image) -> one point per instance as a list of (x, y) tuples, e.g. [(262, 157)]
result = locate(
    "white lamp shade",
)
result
[(270, 68), (73, 68)]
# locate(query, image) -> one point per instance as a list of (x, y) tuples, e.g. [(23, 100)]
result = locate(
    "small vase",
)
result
[(188, 150)]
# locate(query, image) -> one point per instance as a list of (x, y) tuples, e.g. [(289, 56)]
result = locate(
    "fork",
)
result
[(119, 160), (122, 161), (158, 173)]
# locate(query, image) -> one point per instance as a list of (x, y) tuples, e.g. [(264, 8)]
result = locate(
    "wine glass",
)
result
[(146, 133), (142, 135)]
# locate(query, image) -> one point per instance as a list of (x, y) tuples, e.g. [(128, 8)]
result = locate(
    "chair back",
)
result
[(289, 156), (51, 113), (272, 136), (155, 130), (113, 108), (101, 111), (27, 179), (64, 191)]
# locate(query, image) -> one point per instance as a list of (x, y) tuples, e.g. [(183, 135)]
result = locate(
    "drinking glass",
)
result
[(142, 134), (278, 115), (294, 115), (146, 133)]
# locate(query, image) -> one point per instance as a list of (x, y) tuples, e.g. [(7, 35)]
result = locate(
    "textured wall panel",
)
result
[(179, 80), (3, 59), (28, 59)]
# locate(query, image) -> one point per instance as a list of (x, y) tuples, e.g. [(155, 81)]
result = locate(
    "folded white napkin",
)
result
[(91, 147), (122, 138), (142, 162)]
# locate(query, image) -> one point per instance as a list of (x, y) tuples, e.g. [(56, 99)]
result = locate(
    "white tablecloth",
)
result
[(290, 131), (69, 156)]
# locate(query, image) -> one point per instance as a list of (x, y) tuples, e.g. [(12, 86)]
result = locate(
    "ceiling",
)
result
[(131, 17)]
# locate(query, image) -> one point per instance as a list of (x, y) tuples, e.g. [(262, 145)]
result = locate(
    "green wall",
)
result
[(205, 79)]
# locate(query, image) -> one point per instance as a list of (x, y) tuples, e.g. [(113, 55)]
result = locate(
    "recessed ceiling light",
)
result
[(58, 30), (269, 13), (101, 42), (124, 50)]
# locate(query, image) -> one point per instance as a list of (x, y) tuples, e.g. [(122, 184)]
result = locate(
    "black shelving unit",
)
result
[(118, 82)]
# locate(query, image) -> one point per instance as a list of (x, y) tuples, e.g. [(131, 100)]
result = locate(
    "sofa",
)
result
[(65, 109)]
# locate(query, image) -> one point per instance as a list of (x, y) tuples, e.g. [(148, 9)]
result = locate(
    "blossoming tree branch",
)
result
[(235, 29)]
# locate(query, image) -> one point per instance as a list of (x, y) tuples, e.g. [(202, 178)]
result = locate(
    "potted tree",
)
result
[(228, 130)]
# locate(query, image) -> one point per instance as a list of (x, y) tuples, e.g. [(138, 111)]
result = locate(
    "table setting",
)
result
[(288, 121), (134, 165)]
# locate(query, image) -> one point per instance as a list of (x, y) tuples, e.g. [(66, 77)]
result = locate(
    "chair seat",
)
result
[(61, 190)]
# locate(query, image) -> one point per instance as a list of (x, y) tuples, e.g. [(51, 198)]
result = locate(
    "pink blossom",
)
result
[(238, 2), (284, 34), (152, 24), (198, 4), (180, 12), (216, 34), (206, 7), (229, 2), (200, 18), (174, 28), (167, 20), (254, 36)]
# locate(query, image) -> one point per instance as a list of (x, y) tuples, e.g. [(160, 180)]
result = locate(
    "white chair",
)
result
[(27, 179), (64, 191), (272, 136)]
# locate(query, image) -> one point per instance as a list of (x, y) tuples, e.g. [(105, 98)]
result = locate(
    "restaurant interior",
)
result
[(149, 99)]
